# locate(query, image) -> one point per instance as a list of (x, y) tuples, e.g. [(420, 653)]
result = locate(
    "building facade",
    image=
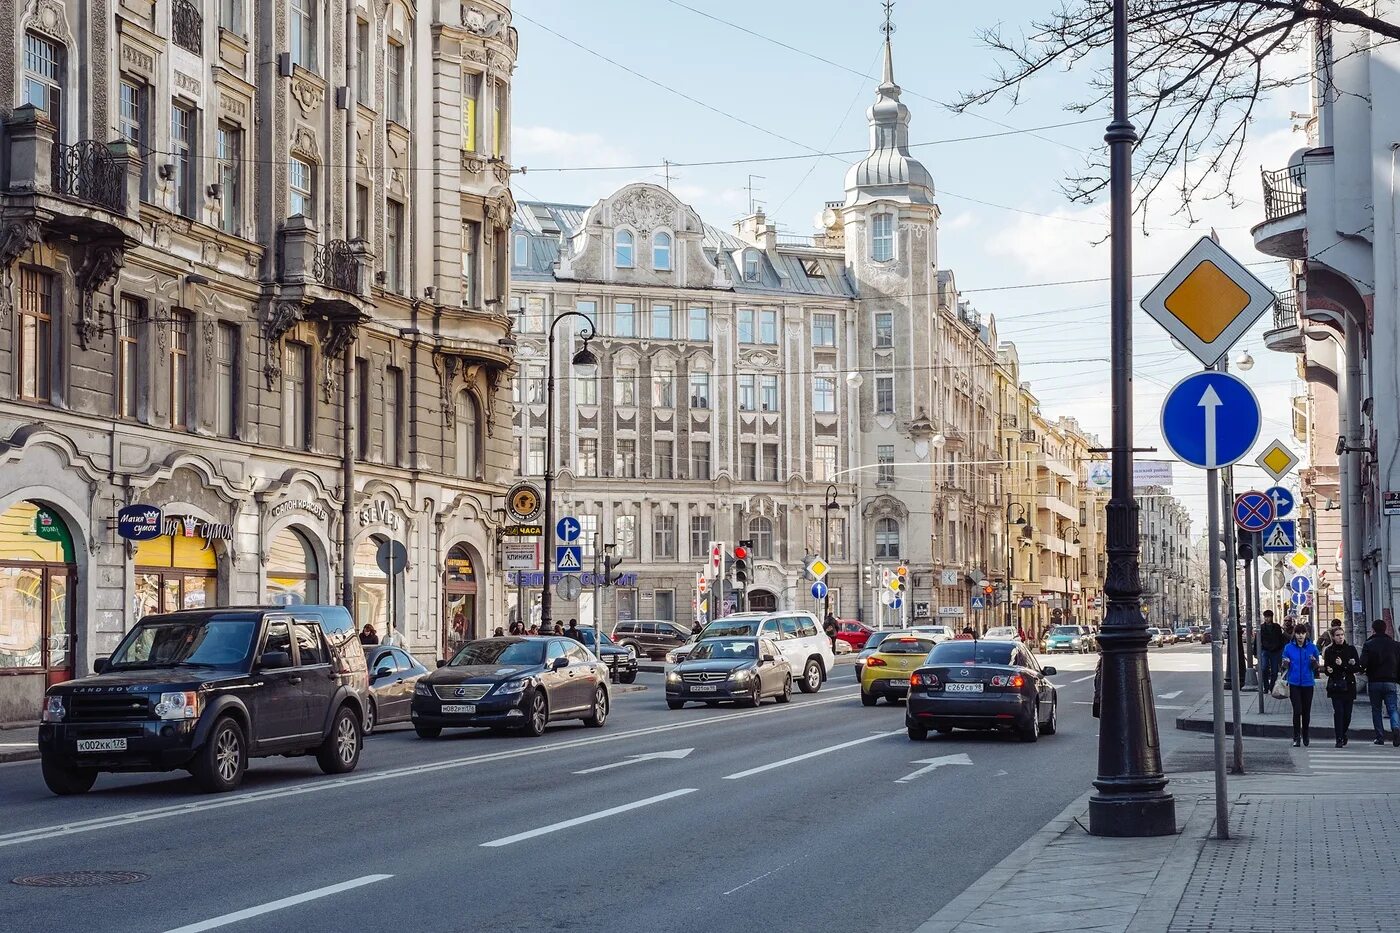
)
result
[(253, 272), (1166, 564)]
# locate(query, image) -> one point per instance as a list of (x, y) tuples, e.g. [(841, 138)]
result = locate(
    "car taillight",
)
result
[(923, 679), (1015, 681), (874, 662)]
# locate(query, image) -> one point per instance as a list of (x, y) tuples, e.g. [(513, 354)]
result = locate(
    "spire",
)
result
[(888, 30)]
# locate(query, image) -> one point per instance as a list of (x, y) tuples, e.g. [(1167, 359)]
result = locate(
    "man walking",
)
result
[(1270, 649), (1380, 659)]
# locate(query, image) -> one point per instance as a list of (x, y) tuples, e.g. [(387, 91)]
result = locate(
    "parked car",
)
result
[(1070, 638), (1156, 638), (872, 644), (796, 634), (937, 633), (982, 685), (1203, 634), (649, 638), (622, 664), (886, 672), (207, 689), (393, 673), (853, 633), (738, 669), (1002, 633)]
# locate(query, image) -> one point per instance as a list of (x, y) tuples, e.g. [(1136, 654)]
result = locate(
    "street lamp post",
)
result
[(826, 544), (1064, 571), (585, 361), (1131, 797), (1017, 522)]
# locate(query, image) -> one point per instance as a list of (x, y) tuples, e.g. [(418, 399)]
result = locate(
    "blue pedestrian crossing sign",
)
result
[(1299, 585), (568, 529), (979, 602), (1282, 500), (819, 590), (568, 558), (1211, 420), (1281, 537)]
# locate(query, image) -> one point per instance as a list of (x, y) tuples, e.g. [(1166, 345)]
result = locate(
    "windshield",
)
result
[(586, 636), (722, 627), (972, 652), (491, 651), (875, 639), (725, 649), (189, 643), (1065, 630), (906, 646)]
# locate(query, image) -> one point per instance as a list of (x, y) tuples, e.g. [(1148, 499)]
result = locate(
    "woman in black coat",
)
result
[(1341, 664)]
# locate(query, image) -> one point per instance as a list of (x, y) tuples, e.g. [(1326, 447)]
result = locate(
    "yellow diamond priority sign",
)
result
[(1208, 301), (817, 568), (1298, 560), (1277, 460)]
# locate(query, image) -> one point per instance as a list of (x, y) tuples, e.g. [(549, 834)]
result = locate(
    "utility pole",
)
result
[(1217, 683)]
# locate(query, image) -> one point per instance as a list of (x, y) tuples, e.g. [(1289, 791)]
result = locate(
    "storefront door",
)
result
[(37, 579), (459, 622)]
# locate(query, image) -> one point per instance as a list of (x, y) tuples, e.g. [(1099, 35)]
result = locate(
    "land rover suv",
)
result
[(207, 689)]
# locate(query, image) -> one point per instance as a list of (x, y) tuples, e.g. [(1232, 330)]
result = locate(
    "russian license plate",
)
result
[(898, 685), (466, 708), (704, 688), (102, 745), (963, 688)]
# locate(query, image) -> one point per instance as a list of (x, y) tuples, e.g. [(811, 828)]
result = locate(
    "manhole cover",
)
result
[(80, 879)]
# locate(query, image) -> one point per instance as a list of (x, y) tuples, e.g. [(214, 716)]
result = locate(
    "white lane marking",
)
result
[(280, 904), (316, 785), (803, 757), (933, 764), (1082, 679), (762, 876), (1170, 696), (635, 759), (1001, 774), (587, 818)]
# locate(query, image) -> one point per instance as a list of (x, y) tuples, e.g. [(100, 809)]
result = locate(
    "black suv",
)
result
[(205, 690), (650, 638)]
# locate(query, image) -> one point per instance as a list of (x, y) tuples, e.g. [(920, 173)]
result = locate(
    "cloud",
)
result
[(557, 148)]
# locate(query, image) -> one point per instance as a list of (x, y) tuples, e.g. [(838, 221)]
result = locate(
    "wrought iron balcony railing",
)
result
[(1285, 310), (187, 25), (1285, 192), (336, 266), (87, 171)]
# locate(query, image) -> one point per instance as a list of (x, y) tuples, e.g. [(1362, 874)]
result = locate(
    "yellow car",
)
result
[(886, 672)]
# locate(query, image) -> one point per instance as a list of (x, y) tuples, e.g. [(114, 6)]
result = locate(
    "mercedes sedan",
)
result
[(982, 685), (742, 670)]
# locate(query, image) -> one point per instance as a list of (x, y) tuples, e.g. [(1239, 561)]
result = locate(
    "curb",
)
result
[(627, 688), (1199, 719)]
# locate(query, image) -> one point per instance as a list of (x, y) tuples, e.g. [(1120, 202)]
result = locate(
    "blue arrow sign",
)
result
[(979, 602), (1253, 511), (1299, 585), (568, 529), (819, 590), (1299, 599), (568, 558), (1282, 500), (1281, 537), (898, 602), (1210, 420)]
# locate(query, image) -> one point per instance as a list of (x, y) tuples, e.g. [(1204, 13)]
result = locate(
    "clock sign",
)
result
[(524, 502)]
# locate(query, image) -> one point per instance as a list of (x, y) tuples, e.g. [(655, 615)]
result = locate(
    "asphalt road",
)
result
[(783, 818)]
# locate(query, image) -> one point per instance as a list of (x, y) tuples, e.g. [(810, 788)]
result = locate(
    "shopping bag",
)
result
[(1280, 691)]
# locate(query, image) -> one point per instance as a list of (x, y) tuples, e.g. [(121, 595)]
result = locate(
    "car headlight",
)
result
[(1074, 641), (178, 705), (423, 688), (514, 686), (673, 677), (671, 657), (53, 709), (741, 674)]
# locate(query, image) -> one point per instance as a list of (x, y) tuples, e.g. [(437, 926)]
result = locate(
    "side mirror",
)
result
[(100, 665), (769, 659), (272, 660), (559, 664), (1049, 671), (442, 662), (382, 672)]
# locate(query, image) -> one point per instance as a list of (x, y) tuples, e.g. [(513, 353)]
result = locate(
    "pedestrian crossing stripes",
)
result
[(1354, 759)]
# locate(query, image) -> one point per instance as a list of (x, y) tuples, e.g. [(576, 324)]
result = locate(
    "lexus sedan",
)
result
[(741, 670), (393, 673), (520, 684), (995, 685)]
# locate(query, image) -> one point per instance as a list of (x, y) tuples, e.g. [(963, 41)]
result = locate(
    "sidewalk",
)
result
[(19, 744), (1302, 857), (1277, 719)]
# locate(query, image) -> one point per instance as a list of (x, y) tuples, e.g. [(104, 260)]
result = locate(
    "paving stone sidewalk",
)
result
[(1276, 721)]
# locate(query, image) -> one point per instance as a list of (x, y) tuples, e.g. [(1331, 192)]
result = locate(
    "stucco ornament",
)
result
[(643, 209), (308, 94), (481, 23)]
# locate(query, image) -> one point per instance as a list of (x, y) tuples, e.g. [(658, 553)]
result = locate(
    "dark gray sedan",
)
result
[(733, 669), (392, 674)]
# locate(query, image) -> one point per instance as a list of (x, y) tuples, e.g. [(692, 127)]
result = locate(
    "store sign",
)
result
[(1390, 504), (524, 502), (522, 578), (48, 526), (189, 526), (379, 513), (139, 522), (523, 531), (460, 568), (518, 556), (299, 505)]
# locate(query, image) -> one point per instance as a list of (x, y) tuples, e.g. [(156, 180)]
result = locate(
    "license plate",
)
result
[(698, 688), (458, 708), (896, 685), (102, 745), (963, 688)]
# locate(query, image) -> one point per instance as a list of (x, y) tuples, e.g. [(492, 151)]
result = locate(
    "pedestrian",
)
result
[(968, 634), (1097, 707), (499, 632), (831, 627), (695, 629), (368, 635), (1341, 663), (534, 628), (573, 632), (559, 628), (1271, 642), (1300, 665), (1380, 660)]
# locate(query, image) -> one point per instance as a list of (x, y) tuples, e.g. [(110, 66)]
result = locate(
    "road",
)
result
[(816, 815)]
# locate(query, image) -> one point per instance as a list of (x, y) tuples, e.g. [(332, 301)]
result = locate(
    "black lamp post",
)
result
[(1131, 797), (583, 359), (1017, 522), (1067, 528)]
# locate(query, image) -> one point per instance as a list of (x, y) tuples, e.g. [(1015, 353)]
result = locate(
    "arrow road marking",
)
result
[(1210, 402), (933, 764), (1169, 696), (634, 759)]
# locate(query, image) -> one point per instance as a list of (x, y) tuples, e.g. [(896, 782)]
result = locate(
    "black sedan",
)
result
[(743, 670), (622, 664), (520, 684), (982, 685), (392, 675)]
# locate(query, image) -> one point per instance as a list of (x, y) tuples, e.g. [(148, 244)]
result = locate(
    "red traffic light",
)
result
[(741, 553)]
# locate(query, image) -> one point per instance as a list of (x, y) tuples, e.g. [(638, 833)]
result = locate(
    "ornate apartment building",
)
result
[(253, 272)]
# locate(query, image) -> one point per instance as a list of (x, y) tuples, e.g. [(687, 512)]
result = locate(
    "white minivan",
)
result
[(797, 634)]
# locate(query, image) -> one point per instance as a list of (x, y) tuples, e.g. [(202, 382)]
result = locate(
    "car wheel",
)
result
[(599, 715), (786, 695), (756, 699), (340, 752), (538, 715), (868, 699), (675, 704), (220, 764), (66, 780), (427, 732), (628, 678), (811, 677), (1053, 723), (1031, 732), (917, 733), (371, 719)]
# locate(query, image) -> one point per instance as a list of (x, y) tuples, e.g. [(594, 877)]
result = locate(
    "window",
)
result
[(700, 389), (393, 83), (181, 325), (699, 319), (535, 460), (661, 252), (362, 407), (752, 271), (588, 309), (663, 389), (745, 325), (886, 539), (748, 462), (391, 417), (884, 329), (588, 533), (128, 324), (302, 38), (823, 330), (624, 319), (625, 386), (770, 463), (230, 152), (498, 109), (43, 78), (586, 388), (768, 326), (768, 395), (534, 314), (588, 456), (362, 51), (824, 394), (701, 533), (823, 463), (468, 425), (665, 601), (393, 246), (296, 395), (699, 459), (471, 97), (622, 249), (625, 459), (231, 16), (884, 460), (184, 137), (813, 269), (747, 399), (625, 535), (535, 385), (882, 237), (133, 125), (661, 328), (884, 395), (761, 533), (664, 459), (311, 650), (226, 347), (301, 188), (663, 538), (522, 251), (362, 226)]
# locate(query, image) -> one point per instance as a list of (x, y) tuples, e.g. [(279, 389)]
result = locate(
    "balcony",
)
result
[(1283, 230), (187, 26), (1285, 336), (330, 280), (1030, 437)]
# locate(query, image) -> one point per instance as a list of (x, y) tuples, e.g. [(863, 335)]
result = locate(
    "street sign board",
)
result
[(887, 597), (568, 529), (898, 603), (1390, 502), (517, 555), (817, 568), (1027, 602), (568, 558), (1253, 510), (391, 556), (523, 531), (1273, 579), (1208, 301), (1277, 460), (1282, 500), (569, 588), (1299, 600), (1299, 584), (715, 567), (524, 502), (819, 590), (979, 602), (1298, 559), (955, 612), (1281, 537), (1210, 420)]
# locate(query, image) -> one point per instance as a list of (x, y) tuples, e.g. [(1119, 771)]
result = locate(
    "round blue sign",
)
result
[(819, 590), (898, 602), (1299, 585), (1282, 500), (1253, 511), (1210, 420), (568, 529)]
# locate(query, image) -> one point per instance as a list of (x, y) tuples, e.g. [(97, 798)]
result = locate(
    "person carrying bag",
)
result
[(1301, 661)]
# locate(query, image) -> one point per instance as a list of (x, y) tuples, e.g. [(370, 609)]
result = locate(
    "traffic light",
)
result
[(989, 592), (869, 577), (901, 580), (741, 563), (611, 574)]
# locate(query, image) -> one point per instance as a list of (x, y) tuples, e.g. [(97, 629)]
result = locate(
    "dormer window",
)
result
[(622, 249), (661, 252), (521, 250), (751, 266), (882, 237)]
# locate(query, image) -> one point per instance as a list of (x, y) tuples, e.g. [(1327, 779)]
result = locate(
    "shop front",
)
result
[(293, 573), (179, 568), (459, 600), (38, 580)]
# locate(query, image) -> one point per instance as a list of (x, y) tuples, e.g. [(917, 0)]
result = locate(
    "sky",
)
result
[(629, 83)]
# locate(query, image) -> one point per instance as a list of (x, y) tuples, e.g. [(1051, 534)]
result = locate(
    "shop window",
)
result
[(37, 579), (176, 571), (292, 577)]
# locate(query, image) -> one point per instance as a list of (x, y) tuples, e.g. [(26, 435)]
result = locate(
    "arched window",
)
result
[(761, 533), (622, 249), (292, 578), (468, 436), (882, 237), (43, 78), (887, 538), (751, 266), (661, 252)]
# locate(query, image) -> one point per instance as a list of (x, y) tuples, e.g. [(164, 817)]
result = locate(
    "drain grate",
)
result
[(80, 879)]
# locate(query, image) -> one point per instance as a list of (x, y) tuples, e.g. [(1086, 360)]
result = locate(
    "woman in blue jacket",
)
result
[(1299, 671)]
